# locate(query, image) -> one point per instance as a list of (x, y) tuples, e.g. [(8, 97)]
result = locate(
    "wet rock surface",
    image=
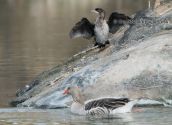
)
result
[(137, 64)]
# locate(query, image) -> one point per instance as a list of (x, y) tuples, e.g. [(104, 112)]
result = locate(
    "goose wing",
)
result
[(109, 103), (114, 21), (83, 28)]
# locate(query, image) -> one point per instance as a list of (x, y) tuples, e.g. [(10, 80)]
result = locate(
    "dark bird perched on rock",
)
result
[(100, 28)]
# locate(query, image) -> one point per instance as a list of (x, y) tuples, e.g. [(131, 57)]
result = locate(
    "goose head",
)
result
[(76, 94)]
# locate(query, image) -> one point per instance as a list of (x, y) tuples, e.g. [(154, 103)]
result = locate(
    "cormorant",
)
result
[(100, 28)]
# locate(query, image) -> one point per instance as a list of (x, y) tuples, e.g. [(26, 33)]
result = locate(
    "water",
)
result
[(34, 38), (151, 116)]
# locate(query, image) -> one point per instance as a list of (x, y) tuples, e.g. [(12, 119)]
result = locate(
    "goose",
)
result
[(98, 106), (100, 28)]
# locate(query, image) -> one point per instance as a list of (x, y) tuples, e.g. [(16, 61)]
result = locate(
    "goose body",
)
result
[(100, 28), (98, 106)]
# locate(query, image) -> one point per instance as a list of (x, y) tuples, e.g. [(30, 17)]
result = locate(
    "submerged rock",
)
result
[(138, 64)]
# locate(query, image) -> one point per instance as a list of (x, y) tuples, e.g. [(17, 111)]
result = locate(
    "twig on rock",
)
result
[(86, 51), (151, 87)]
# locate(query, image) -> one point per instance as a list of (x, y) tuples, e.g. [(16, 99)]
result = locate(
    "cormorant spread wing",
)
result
[(83, 28), (114, 21)]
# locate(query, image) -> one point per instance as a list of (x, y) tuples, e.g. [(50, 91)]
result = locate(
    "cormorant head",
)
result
[(100, 11)]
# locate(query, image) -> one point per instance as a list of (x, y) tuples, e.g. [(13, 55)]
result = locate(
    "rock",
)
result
[(143, 103), (138, 64)]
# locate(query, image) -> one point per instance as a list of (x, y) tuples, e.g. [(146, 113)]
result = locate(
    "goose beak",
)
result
[(65, 92), (95, 11)]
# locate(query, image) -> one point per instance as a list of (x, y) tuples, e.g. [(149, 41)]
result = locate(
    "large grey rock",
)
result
[(137, 65)]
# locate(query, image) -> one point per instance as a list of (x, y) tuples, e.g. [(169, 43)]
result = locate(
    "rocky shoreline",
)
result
[(137, 64)]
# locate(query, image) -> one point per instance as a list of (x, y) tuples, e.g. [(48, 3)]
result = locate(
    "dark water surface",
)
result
[(34, 36)]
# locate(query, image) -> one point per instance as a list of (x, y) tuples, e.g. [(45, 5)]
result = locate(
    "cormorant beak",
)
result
[(66, 91), (95, 11)]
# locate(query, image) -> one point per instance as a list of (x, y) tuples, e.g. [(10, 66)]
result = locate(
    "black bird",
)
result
[(100, 28)]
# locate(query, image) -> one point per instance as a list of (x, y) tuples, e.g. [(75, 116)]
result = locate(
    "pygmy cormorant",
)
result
[(100, 28)]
